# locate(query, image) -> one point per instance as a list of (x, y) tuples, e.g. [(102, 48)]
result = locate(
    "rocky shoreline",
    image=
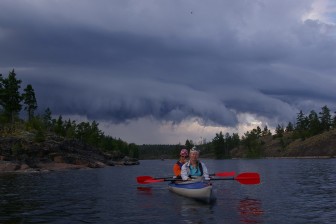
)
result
[(21, 154)]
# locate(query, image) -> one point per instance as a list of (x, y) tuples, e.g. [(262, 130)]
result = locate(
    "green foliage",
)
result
[(325, 119), (159, 151), (10, 106), (10, 96), (47, 118), (279, 131), (307, 126), (221, 146), (39, 136), (314, 124), (30, 101), (334, 122), (133, 150), (251, 140), (289, 127), (266, 132), (189, 144), (34, 124)]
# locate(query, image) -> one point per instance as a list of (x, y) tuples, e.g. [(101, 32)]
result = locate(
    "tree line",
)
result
[(12, 102), (252, 141)]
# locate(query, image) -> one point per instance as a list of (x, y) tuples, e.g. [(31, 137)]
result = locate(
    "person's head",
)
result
[(194, 154), (183, 154)]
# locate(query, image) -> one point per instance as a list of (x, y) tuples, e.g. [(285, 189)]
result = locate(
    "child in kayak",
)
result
[(194, 168), (178, 165)]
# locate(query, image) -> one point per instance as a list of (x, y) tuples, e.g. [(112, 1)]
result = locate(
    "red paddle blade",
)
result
[(148, 180), (248, 178), (225, 174), (142, 179)]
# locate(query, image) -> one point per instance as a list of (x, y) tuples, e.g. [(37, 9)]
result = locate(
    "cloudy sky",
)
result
[(164, 71)]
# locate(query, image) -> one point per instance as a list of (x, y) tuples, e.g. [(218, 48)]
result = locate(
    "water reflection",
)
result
[(145, 190), (250, 210), (192, 211)]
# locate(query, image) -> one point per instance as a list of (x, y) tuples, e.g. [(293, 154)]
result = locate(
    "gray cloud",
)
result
[(123, 61)]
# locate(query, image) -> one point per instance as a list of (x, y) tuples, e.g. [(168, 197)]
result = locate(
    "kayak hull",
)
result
[(195, 190)]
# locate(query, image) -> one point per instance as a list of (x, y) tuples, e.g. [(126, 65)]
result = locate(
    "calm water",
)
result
[(291, 191)]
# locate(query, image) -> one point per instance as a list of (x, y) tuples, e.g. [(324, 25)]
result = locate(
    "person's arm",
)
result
[(184, 172), (177, 170), (205, 172)]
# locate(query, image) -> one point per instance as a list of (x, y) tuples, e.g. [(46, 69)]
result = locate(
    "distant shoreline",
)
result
[(292, 157)]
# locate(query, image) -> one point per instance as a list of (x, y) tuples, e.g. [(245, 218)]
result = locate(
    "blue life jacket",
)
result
[(199, 166)]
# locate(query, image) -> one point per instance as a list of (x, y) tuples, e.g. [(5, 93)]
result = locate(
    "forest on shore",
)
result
[(45, 142), (312, 134)]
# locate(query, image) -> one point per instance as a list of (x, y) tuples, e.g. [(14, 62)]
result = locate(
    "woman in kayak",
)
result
[(179, 163), (194, 168)]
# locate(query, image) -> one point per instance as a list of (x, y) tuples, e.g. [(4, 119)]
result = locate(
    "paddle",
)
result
[(224, 174), (244, 178), (149, 179)]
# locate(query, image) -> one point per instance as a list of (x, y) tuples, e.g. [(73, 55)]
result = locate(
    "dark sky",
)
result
[(165, 71)]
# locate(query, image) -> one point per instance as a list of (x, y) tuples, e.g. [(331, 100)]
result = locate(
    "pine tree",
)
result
[(219, 145), (289, 127), (314, 123), (29, 101), (10, 96), (266, 131), (325, 118), (47, 118), (301, 124), (279, 131)]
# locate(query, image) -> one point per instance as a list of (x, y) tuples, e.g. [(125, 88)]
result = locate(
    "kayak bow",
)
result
[(192, 189)]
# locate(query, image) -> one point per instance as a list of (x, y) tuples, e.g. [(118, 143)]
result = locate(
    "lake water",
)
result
[(291, 191)]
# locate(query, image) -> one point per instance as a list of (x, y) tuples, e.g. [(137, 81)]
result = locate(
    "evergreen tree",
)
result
[(189, 144), (29, 101), (10, 96), (235, 140), (289, 127), (2, 92), (266, 131), (325, 118), (302, 126), (70, 129), (279, 131), (314, 123), (334, 121), (252, 142), (258, 131), (219, 145), (47, 119), (58, 126), (301, 122)]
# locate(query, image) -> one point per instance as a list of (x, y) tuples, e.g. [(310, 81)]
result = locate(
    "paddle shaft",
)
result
[(243, 178)]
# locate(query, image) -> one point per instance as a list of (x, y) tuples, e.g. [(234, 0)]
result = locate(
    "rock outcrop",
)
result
[(55, 153)]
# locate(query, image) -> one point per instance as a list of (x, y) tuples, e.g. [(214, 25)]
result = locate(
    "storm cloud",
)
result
[(176, 69)]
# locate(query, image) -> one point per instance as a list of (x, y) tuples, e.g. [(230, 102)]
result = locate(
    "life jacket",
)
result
[(199, 164), (179, 163)]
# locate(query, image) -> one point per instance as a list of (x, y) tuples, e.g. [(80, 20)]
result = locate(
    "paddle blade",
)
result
[(142, 179), (248, 178), (148, 180), (225, 174)]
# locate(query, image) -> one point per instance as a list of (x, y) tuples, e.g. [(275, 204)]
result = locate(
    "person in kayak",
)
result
[(178, 165), (194, 168)]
